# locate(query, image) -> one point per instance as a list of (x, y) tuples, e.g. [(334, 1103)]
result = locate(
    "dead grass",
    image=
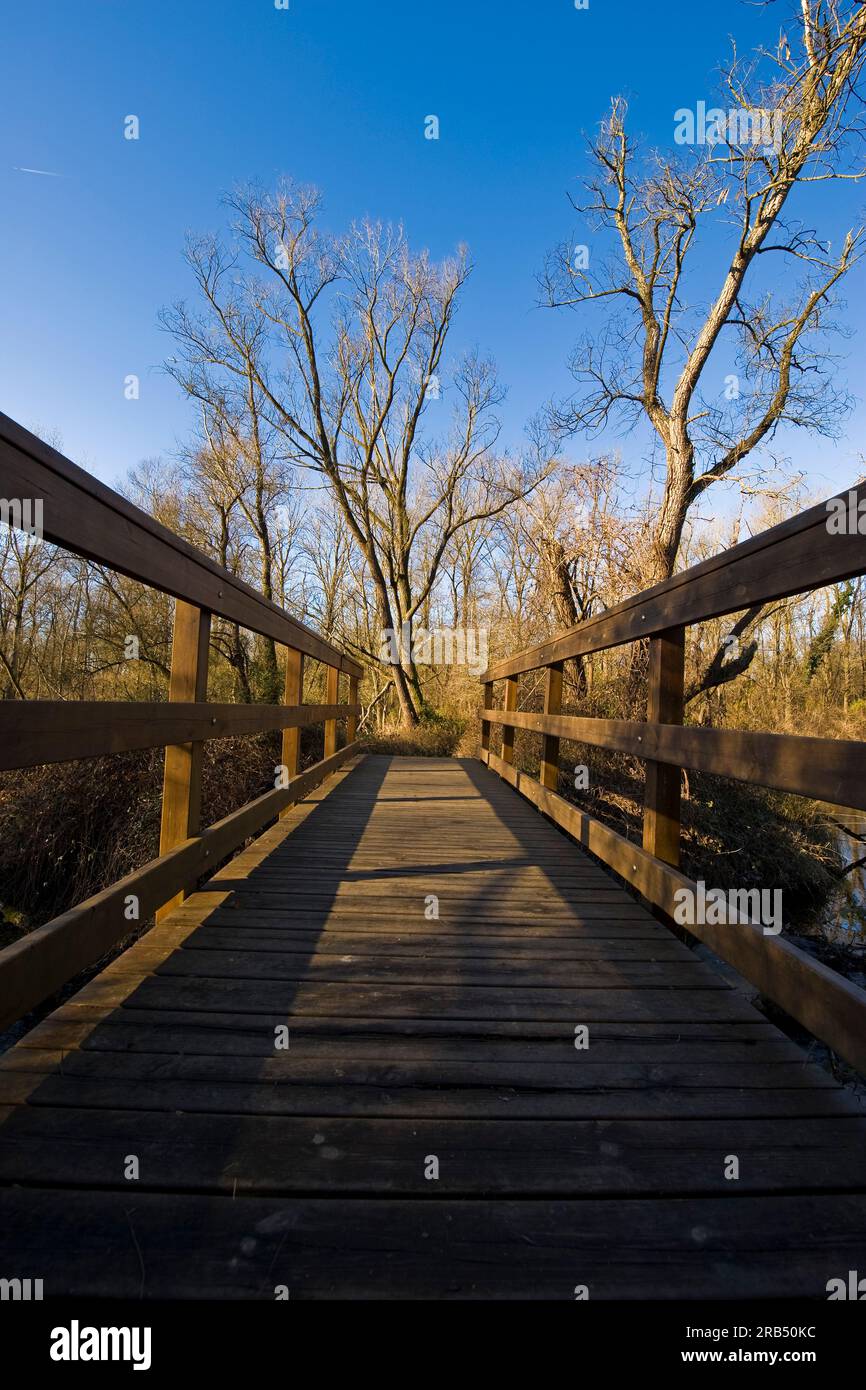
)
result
[(435, 738)]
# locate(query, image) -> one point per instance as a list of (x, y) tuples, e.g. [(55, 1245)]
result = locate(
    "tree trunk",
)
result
[(665, 544), (407, 697), (564, 606)]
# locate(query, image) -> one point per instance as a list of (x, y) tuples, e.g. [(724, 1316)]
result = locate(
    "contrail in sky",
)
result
[(47, 173)]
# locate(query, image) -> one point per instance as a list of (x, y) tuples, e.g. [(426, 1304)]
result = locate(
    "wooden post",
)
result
[(352, 721), (293, 694), (332, 697), (549, 775), (661, 817), (485, 723), (509, 704), (181, 787)]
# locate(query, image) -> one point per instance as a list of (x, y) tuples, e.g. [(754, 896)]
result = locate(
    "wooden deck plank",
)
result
[(284, 1085), (427, 946), (575, 1072), (191, 1246), (455, 971), (577, 1005), (594, 920), (127, 1029), (199, 1152)]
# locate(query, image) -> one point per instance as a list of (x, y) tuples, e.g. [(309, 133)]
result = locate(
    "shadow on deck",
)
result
[(348, 1067)]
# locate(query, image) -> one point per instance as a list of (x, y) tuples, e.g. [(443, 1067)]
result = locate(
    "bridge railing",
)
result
[(83, 516), (818, 547)]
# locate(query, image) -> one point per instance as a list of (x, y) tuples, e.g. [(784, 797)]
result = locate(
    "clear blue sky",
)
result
[(333, 92)]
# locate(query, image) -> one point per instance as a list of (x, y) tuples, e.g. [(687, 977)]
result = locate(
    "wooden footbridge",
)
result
[(416, 1038)]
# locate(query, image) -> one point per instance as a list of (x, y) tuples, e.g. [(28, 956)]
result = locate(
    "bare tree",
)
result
[(25, 564), (794, 115), (330, 554), (349, 393), (579, 538)]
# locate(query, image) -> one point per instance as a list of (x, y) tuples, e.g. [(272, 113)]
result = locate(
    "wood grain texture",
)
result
[(354, 711), (181, 783), (548, 772), (182, 1245), (661, 813), (332, 696), (509, 703), (293, 696)]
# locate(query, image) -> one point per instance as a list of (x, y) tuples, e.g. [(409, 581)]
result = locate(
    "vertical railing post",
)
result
[(552, 705), (181, 788), (332, 697), (352, 720), (661, 817), (293, 694), (485, 723), (509, 704)]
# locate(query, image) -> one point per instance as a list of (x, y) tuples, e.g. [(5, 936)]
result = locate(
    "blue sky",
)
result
[(332, 92)]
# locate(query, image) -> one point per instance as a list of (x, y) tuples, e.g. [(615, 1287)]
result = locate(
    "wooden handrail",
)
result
[(795, 557), (822, 769), (82, 515), (33, 732), (87, 518)]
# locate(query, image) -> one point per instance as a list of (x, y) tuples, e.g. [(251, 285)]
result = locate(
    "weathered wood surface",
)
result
[(181, 785), (415, 1036), (661, 814)]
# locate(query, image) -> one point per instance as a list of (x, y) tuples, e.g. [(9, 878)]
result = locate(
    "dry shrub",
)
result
[(437, 737), (70, 829)]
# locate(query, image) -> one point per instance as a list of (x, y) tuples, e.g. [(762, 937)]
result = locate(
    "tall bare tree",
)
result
[(794, 116), (338, 346)]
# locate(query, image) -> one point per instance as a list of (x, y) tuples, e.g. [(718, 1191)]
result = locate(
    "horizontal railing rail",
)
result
[(800, 555), (56, 731), (81, 515), (821, 769)]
